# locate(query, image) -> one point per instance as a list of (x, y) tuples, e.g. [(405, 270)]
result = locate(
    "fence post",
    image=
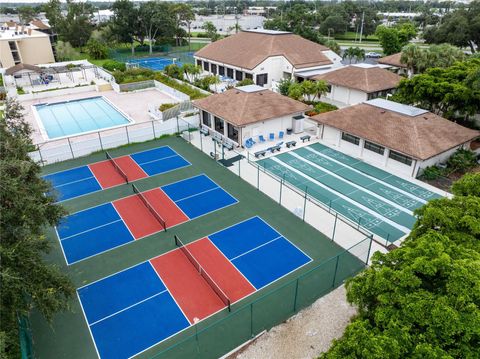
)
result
[(100, 139), (178, 128), (359, 220), (70, 145), (335, 274), (153, 129), (251, 320), (201, 141), (369, 248), (296, 295), (189, 134), (258, 177), (280, 196), (41, 157), (334, 226), (240, 160), (128, 137), (386, 239), (304, 204)]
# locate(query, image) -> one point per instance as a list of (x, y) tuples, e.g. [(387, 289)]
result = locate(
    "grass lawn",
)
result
[(350, 35)]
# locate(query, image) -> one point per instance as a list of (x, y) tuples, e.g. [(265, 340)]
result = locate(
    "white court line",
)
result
[(199, 193), (254, 249), (156, 160), (76, 181), (356, 204), (126, 308), (92, 229)]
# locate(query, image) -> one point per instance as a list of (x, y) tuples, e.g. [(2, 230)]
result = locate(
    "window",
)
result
[(199, 63), (230, 73), (329, 88), (350, 138), (206, 119), (374, 147), (221, 70), (232, 132), (219, 125), (400, 158), (238, 75), (206, 66), (262, 79), (213, 69), (248, 76)]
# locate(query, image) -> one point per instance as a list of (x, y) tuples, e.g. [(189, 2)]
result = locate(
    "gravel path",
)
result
[(307, 334)]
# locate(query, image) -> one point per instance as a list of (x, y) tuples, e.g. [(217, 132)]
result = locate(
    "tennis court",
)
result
[(154, 63), (112, 172), (374, 199), (135, 309), (98, 229)]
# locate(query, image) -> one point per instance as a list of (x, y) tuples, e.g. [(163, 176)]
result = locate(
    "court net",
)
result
[(147, 204), (116, 166), (216, 288)]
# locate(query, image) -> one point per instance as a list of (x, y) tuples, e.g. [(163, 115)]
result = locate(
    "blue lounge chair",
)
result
[(261, 139), (272, 136), (280, 135)]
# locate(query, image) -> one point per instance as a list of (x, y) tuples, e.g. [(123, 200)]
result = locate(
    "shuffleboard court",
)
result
[(112, 172), (376, 172), (139, 307), (98, 229)]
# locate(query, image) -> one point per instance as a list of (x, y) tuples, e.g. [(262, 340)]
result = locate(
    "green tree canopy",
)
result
[(211, 31), (449, 92), (422, 299), (27, 281)]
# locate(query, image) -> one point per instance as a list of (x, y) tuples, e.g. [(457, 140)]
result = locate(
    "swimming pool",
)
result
[(74, 117)]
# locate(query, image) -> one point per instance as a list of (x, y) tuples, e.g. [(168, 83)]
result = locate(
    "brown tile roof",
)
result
[(39, 24), (422, 136), (392, 60), (366, 79), (248, 49), (19, 67), (10, 23), (242, 108)]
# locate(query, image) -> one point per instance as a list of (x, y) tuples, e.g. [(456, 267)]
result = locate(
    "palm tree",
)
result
[(191, 70), (413, 57), (354, 53)]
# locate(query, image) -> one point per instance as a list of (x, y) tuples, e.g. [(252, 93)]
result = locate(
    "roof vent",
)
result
[(383, 111), (425, 117)]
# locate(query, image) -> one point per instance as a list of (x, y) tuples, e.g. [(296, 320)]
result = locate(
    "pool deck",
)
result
[(133, 104)]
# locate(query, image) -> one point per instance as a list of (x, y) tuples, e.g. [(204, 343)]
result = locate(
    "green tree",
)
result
[(183, 15), (96, 49), (155, 21), (468, 185), (389, 39), (174, 71), (65, 51), (422, 299), (191, 71), (460, 27), (77, 26), (26, 14), (27, 281), (125, 22), (295, 91), (211, 31), (354, 53), (334, 46), (333, 22), (449, 92), (284, 86), (313, 89), (53, 12)]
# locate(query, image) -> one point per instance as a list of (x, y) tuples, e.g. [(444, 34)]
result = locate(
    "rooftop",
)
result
[(419, 134), (392, 60), (21, 33), (366, 78), (249, 104), (248, 49)]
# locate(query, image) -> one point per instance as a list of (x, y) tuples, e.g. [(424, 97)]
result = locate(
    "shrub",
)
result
[(431, 173), (174, 71), (182, 87), (96, 50), (166, 106), (133, 75), (112, 65), (244, 82), (462, 160), (284, 86)]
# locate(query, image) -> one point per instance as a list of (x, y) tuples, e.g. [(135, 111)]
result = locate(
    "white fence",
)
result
[(82, 145)]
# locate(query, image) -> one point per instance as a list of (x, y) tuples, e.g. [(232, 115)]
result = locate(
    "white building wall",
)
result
[(346, 95), (266, 127)]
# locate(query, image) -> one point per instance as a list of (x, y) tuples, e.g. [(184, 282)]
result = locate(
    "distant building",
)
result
[(100, 16), (400, 138), (265, 56), (392, 62), (22, 44), (259, 10), (357, 83)]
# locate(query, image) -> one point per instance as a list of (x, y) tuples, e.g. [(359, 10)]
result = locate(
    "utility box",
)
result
[(297, 123)]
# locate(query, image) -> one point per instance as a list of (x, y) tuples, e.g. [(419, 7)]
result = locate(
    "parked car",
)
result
[(373, 54)]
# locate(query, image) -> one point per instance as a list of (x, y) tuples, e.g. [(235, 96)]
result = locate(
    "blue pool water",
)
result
[(78, 116)]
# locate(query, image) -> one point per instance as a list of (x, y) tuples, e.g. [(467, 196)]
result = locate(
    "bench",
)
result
[(274, 148), (260, 153), (204, 131), (291, 144), (305, 138), (228, 146)]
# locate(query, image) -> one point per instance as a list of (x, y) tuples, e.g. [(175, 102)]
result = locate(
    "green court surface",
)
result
[(373, 171), (69, 337)]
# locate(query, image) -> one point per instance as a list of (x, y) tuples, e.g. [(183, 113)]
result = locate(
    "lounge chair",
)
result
[(272, 136), (280, 135), (261, 139)]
